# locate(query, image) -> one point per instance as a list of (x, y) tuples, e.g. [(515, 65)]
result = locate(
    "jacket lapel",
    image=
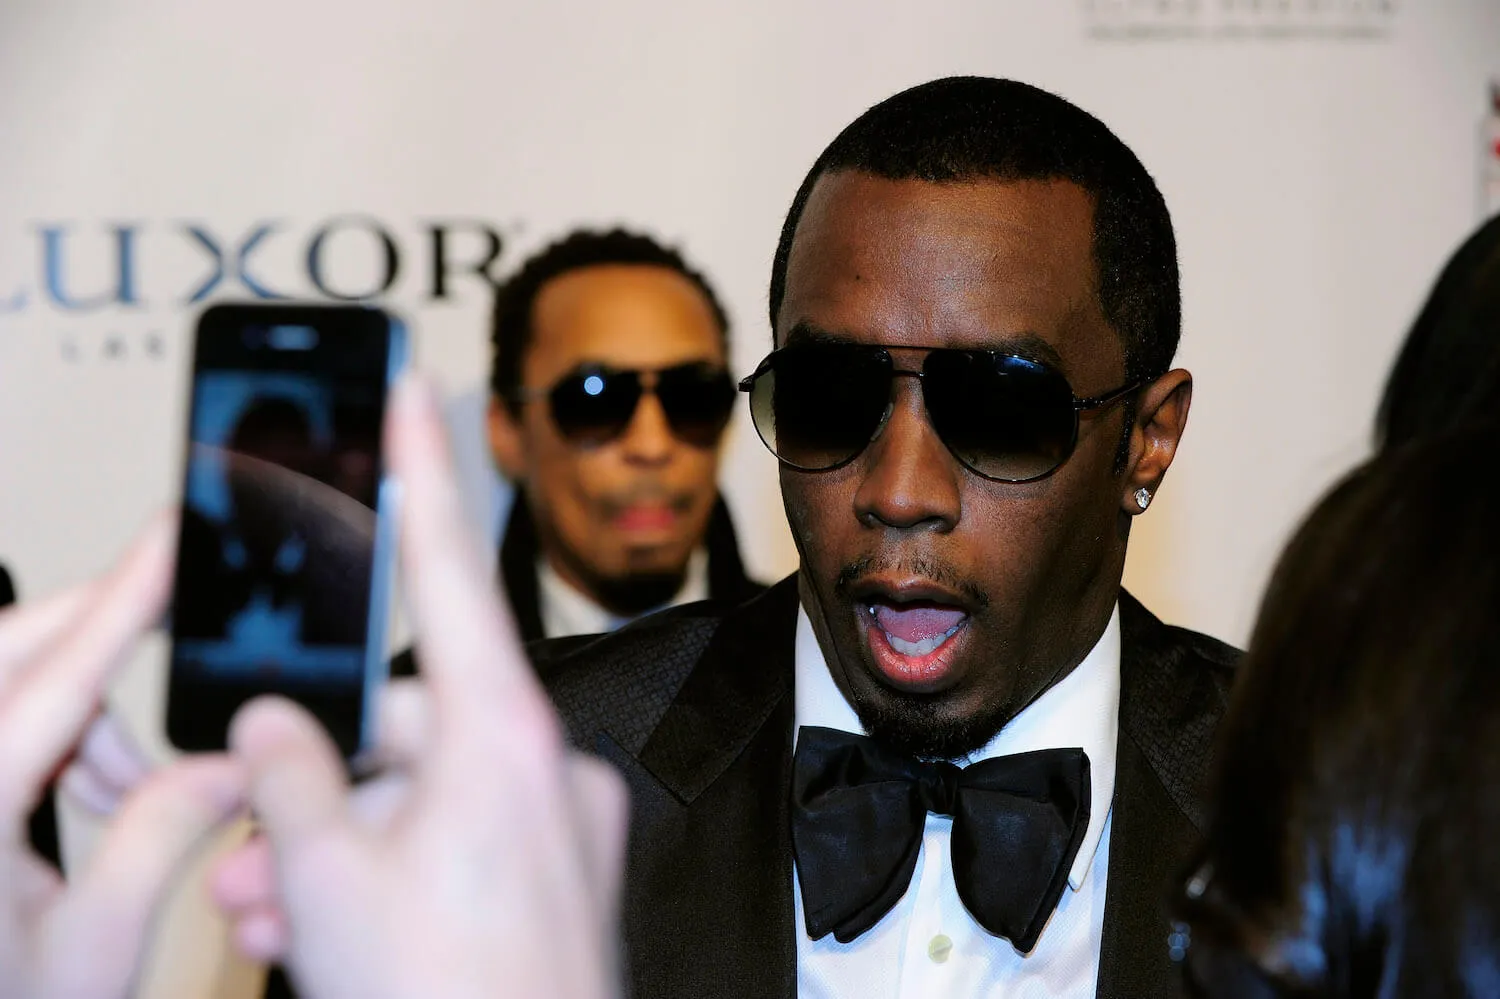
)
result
[(1173, 689), (1149, 841), (708, 886)]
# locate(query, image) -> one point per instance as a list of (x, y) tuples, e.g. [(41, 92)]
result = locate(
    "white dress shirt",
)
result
[(929, 945), (566, 611)]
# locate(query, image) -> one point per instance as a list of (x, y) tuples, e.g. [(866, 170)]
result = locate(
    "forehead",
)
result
[(621, 315), (976, 264)]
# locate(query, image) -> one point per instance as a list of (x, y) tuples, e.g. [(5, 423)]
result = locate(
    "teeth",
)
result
[(923, 647)]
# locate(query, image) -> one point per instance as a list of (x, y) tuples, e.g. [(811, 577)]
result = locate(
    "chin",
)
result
[(655, 562), (940, 726), (640, 588)]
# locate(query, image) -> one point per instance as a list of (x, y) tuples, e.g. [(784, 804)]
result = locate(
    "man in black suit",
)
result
[(975, 306)]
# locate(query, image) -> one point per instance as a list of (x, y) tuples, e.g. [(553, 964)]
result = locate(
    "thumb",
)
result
[(297, 783), (100, 924)]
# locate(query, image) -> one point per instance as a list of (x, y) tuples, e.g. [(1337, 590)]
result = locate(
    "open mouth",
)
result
[(913, 642)]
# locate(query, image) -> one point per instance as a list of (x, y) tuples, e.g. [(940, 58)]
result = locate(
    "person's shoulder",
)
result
[(1149, 641), (622, 683), (1174, 691)]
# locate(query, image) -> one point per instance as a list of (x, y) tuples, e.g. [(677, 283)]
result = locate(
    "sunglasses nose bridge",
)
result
[(647, 436), (891, 403), (908, 479)]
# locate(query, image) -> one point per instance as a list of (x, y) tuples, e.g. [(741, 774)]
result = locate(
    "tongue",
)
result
[(916, 623)]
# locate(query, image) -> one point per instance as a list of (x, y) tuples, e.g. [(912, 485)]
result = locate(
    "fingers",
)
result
[(244, 886), (601, 806), (27, 629), (35, 884), (297, 784), (245, 878), (107, 909), (471, 656), (404, 732), (93, 792), (107, 767), (262, 936), (49, 699)]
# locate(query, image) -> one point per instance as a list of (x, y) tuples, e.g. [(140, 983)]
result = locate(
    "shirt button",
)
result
[(939, 948)]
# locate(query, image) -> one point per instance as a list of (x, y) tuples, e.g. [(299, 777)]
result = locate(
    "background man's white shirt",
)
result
[(929, 945), (565, 611)]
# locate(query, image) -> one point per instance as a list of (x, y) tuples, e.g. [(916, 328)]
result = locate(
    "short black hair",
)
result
[(510, 330), (967, 128), (1448, 372)]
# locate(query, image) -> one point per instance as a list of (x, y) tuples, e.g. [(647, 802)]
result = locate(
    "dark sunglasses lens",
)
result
[(1006, 418), (697, 399), (594, 406), (817, 406)]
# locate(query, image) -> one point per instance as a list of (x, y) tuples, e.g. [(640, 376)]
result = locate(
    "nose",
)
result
[(910, 481), (648, 438)]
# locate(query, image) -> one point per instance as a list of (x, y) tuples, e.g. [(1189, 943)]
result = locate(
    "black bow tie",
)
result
[(858, 812)]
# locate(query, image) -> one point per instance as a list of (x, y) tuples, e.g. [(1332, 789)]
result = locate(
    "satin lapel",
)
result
[(1149, 840), (1173, 686), (708, 900)]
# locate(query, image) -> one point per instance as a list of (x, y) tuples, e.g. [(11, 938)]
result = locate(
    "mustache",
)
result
[(677, 500), (923, 566)]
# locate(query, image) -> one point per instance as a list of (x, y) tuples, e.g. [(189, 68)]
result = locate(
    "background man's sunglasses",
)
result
[(593, 405), (1007, 418)]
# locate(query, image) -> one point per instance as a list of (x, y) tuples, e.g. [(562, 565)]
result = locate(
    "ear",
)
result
[(1160, 418), (506, 444)]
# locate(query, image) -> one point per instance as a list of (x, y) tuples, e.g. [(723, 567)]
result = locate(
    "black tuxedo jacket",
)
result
[(695, 708)]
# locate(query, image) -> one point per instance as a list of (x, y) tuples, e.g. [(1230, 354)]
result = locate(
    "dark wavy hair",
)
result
[(1448, 371), (1352, 847)]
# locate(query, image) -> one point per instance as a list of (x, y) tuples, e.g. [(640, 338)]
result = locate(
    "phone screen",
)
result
[(283, 554)]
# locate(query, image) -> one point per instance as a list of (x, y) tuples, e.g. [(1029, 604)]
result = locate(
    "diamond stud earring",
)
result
[(1143, 497)]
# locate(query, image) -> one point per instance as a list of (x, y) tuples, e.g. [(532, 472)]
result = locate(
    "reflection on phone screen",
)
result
[(279, 528)]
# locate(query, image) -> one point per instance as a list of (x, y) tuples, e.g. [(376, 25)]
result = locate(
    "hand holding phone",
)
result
[(82, 936), (286, 544), (484, 843)]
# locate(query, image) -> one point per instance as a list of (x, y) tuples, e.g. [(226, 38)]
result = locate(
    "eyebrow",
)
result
[(1025, 343), (807, 333)]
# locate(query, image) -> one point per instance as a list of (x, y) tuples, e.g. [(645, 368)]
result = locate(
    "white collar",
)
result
[(566, 611), (1082, 709)]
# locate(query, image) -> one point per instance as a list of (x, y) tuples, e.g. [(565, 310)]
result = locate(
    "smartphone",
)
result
[(286, 549)]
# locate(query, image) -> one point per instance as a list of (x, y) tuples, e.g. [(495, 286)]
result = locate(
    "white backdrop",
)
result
[(1321, 159)]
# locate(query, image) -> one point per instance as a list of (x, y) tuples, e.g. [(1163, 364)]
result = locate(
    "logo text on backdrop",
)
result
[(140, 276), (1238, 20)]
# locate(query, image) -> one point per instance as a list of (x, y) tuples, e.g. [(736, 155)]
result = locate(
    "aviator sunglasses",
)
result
[(594, 404), (817, 406)]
